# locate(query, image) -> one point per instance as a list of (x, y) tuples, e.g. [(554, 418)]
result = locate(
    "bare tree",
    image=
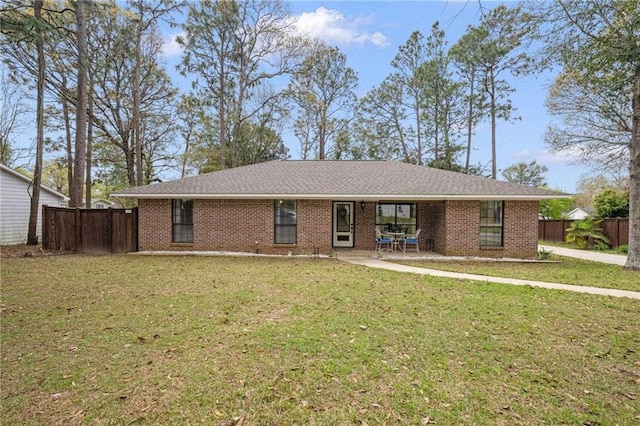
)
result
[(147, 15), (12, 112), (235, 48), (597, 41), (323, 89)]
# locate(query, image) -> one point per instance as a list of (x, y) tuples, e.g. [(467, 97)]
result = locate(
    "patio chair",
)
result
[(413, 240), (382, 240)]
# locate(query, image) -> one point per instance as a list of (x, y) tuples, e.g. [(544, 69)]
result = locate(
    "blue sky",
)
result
[(369, 33)]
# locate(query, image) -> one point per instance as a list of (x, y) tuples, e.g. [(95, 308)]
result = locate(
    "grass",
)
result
[(573, 246), (560, 270), (255, 341)]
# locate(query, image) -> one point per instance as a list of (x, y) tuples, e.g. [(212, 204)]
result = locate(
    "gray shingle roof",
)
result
[(352, 180)]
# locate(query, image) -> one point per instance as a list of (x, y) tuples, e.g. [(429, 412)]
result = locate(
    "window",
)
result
[(491, 213), (285, 221), (397, 217), (182, 221)]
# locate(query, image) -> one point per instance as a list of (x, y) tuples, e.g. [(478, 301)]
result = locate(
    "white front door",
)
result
[(343, 223)]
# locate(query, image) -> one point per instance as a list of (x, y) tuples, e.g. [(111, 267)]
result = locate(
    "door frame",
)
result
[(337, 238)]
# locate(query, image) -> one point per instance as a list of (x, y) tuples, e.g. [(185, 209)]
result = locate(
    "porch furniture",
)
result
[(383, 240), (398, 241), (430, 244), (413, 240)]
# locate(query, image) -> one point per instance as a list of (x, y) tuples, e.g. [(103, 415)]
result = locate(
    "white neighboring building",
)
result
[(577, 214), (104, 204), (15, 204)]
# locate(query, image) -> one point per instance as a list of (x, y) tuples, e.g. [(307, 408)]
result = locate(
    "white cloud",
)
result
[(566, 157), (170, 47), (333, 27)]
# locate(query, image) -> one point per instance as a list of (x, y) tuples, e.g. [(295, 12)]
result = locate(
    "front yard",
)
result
[(231, 341), (563, 270)]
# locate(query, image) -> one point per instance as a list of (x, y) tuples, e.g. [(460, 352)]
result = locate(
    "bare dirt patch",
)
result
[(23, 250)]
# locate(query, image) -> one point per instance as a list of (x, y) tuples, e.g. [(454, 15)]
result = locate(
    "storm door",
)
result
[(343, 223)]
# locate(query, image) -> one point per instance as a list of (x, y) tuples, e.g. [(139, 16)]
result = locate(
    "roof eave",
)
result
[(349, 197)]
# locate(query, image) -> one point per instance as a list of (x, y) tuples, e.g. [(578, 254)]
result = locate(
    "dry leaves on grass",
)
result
[(23, 250)]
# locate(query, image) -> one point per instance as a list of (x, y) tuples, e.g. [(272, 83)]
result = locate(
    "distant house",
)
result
[(15, 205), (577, 214), (303, 207), (104, 204)]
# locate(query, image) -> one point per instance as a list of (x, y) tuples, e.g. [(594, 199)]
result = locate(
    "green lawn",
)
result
[(256, 341), (562, 270)]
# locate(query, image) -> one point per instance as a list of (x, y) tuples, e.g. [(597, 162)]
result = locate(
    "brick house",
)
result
[(300, 207)]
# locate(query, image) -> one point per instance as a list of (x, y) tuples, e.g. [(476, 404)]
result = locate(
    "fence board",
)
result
[(92, 231), (617, 230)]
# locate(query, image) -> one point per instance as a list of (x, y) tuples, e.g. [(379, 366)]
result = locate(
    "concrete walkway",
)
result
[(596, 256), (377, 263)]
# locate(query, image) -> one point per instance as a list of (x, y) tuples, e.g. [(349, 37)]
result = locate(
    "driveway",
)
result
[(615, 259)]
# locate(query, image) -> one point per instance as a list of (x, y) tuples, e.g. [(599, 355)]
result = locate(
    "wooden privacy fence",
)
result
[(617, 230), (90, 230)]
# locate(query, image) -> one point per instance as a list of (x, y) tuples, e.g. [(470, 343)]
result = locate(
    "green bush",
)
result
[(611, 203), (623, 249), (586, 234), (543, 254)]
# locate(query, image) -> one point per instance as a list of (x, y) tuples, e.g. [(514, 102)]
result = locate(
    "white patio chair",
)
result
[(413, 240), (383, 240)]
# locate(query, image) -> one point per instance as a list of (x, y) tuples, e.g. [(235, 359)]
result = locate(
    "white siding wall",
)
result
[(14, 208)]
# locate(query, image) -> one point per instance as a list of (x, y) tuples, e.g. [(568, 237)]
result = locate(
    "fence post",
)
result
[(618, 232), (44, 228), (78, 227), (110, 229)]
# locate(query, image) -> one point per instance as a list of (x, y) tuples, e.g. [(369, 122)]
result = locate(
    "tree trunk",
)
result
[(322, 134), (81, 107), (494, 167), (221, 119), (32, 235), (633, 257), (469, 125), (131, 167), (67, 133), (136, 104), (88, 184), (419, 133)]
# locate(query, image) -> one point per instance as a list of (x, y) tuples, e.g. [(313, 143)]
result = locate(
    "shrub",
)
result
[(543, 254), (585, 234), (611, 203), (623, 249)]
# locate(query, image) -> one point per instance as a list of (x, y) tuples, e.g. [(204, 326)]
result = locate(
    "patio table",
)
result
[(397, 239)]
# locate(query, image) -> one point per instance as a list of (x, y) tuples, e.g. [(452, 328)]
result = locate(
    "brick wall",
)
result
[(154, 225), (235, 225), (520, 230), (314, 226), (436, 225), (365, 226), (462, 221)]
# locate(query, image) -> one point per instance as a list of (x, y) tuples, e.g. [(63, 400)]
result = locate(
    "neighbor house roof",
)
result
[(28, 180), (346, 180)]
